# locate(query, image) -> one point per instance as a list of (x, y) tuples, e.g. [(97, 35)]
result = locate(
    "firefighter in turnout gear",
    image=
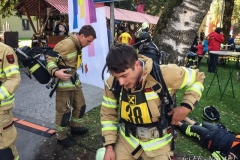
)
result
[(70, 102), (9, 82), (137, 134), (222, 143)]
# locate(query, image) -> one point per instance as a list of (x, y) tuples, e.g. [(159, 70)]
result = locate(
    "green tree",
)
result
[(6, 7), (227, 18)]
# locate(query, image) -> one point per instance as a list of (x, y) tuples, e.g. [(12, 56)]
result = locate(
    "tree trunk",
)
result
[(178, 25), (227, 16)]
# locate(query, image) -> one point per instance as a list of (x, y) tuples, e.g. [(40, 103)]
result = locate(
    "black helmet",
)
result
[(145, 36), (211, 113)]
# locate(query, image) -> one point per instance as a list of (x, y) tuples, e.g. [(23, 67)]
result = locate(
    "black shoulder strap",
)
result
[(157, 75)]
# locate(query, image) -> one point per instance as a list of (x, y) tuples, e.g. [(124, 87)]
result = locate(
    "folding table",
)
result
[(223, 53)]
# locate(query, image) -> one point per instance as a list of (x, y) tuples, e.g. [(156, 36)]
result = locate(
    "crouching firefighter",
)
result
[(70, 102), (9, 82), (143, 104)]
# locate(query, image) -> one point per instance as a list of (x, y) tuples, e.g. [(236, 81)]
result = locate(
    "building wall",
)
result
[(16, 24)]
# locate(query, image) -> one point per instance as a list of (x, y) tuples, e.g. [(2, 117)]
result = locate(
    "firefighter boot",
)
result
[(79, 130), (66, 142)]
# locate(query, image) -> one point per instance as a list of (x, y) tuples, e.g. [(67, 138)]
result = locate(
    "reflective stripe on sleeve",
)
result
[(3, 93), (197, 87), (13, 69), (51, 64), (109, 126), (109, 103), (7, 101), (151, 95), (70, 55), (189, 78)]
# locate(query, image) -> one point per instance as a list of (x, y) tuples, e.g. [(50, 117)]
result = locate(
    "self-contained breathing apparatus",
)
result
[(167, 103), (147, 48), (30, 59)]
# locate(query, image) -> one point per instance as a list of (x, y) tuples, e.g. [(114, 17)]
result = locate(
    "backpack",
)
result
[(147, 48), (30, 59)]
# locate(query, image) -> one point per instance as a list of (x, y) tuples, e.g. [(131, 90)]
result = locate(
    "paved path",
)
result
[(32, 104)]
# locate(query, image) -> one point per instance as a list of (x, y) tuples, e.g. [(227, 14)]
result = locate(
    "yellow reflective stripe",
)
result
[(108, 102), (13, 69), (76, 120), (67, 84), (71, 55), (217, 155), (17, 158), (34, 68), (151, 95), (189, 133), (109, 125), (3, 93), (59, 128), (169, 90), (7, 101), (189, 78), (120, 99), (197, 87), (131, 140), (51, 64), (156, 143)]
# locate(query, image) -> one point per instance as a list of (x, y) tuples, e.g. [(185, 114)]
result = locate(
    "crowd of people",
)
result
[(139, 128)]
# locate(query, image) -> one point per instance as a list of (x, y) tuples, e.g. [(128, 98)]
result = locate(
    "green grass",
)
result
[(229, 109)]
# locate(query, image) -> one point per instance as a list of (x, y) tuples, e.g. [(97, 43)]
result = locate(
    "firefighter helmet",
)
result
[(211, 113)]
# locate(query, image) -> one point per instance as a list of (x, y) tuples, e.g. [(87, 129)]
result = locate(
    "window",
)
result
[(25, 24)]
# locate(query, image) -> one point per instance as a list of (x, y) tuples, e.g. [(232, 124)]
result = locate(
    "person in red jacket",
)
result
[(199, 51), (214, 42)]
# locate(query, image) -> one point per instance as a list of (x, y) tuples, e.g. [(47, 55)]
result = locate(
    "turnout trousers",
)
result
[(8, 135), (70, 108), (122, 152)]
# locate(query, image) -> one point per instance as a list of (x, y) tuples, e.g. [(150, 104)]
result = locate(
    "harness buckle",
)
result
[(147, 133)]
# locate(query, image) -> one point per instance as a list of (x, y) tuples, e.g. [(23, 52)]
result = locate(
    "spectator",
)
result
[(202, 35), (199, 51), (214, 42), (48, 30), (217, 140), (66, 27), (231, 43), (60, 29), (205, 45), (125, 37)]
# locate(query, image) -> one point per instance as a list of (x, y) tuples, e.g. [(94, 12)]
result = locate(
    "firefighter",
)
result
[(70, 102), (217, 140), (9, 82), (137, 134)]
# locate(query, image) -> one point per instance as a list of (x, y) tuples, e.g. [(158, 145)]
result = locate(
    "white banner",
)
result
[(94, 55)]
